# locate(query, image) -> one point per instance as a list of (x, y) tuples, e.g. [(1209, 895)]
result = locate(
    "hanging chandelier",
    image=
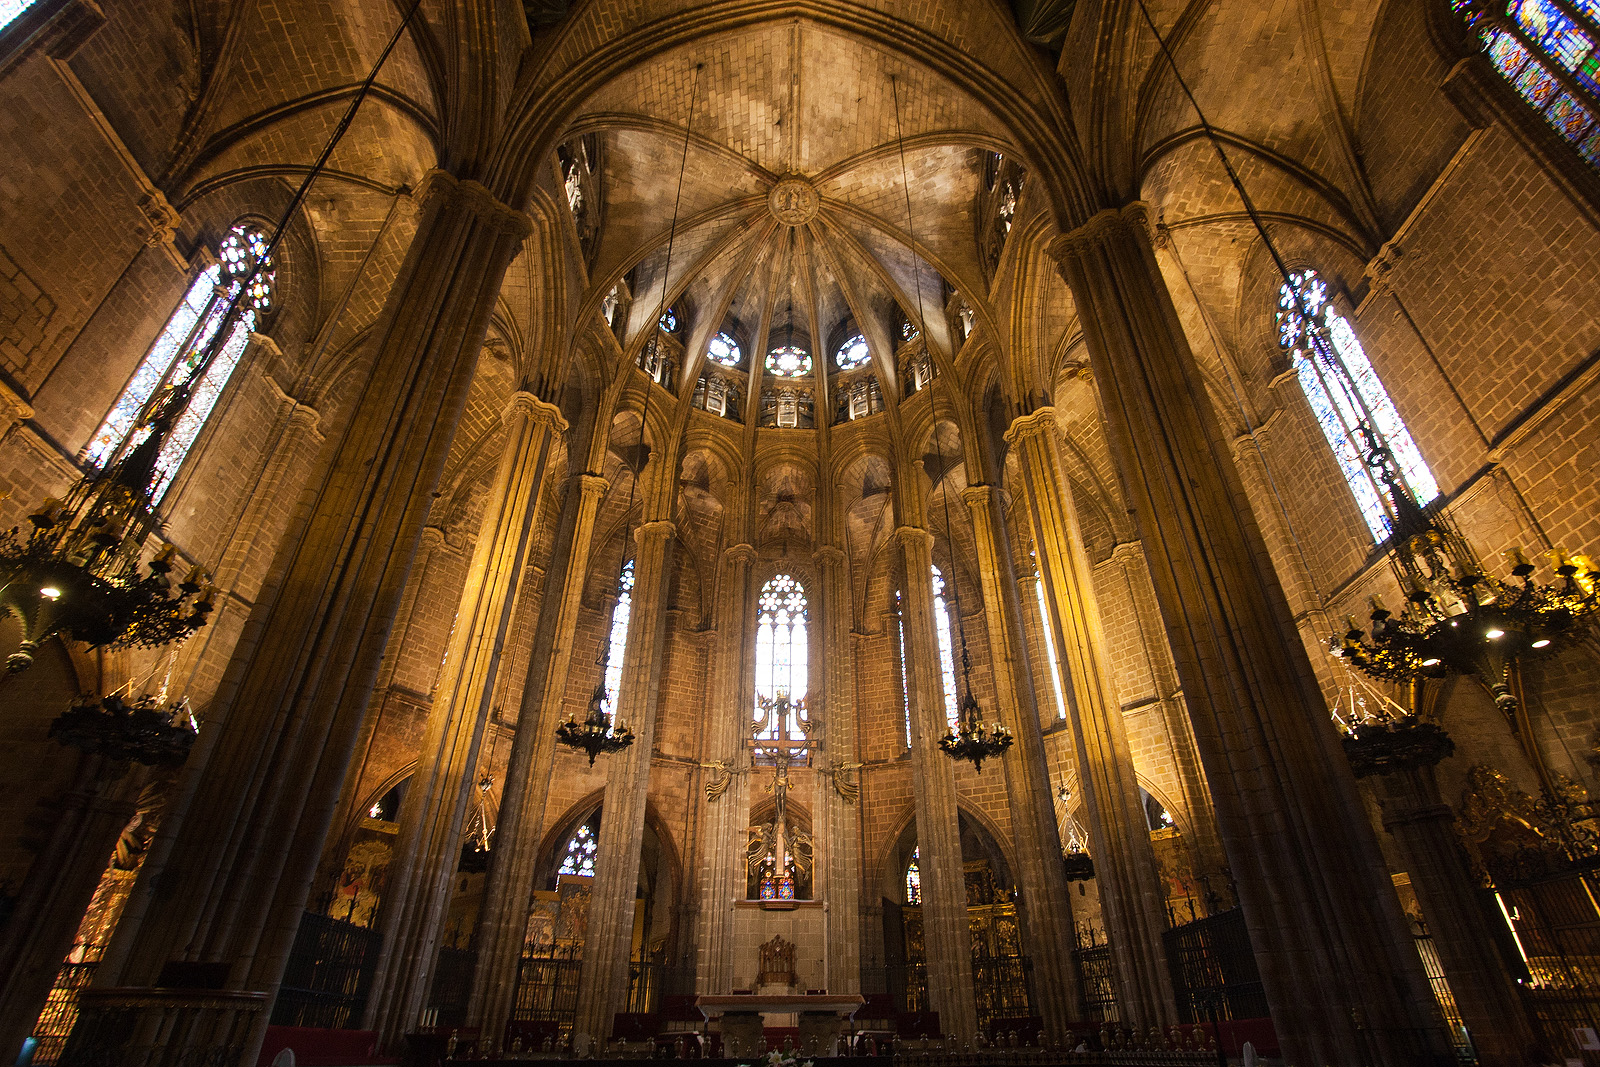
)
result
[(972, 739), (145, 731), (80, 572), (1457, 619), (596, 733)]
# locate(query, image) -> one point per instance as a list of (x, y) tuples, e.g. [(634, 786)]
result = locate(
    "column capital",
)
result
[(659, 529), (592, 485), (1038, 421), (978, 494), (525, 405), (432, 538), (740, 553), (912, 536), (828, 556), (1381, 269), (1131, 218), (476, 200)]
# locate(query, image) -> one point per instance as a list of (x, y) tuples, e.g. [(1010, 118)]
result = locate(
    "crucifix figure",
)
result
[(780, 737)]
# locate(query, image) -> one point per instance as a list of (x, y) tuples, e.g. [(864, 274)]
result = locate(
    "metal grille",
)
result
[(452, 984), (547, 990), (1434, 969), (329, 974), (1557, 925), (1213, 968), (1000, 986)]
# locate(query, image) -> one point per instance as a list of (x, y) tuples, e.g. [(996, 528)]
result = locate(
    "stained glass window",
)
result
[(724, 350), (788, 361), (782, 652), (905, 680), (1549, 58), (1344, 393), (914, 878), (618, 641), (908, 330), (579, 857), (852, 353), (10, 9), (947, 658), (1050, 650), (669, 321), (181, 347)]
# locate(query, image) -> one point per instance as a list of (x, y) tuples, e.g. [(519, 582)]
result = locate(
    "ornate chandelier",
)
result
[(596, 733), (145, 731), (79, 572), (972, 739), (1457, 619)]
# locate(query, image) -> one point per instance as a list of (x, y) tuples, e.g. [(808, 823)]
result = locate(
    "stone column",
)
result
[(229, 885), (1424, 827), (723, 878), (444, 783), (838, 825), (1046, 906), (1131, 895), (508, 892), (603, 982), (1344, 982), (933, 787)]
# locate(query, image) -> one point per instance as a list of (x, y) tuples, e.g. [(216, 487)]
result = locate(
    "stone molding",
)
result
[(978, 494), (56, 27), (1038, 421), (1135, 215), (740, 553), (433, 539), (909, 535), (592, 485), (663, 529), (828, 556), (524, 404), (476, 200)]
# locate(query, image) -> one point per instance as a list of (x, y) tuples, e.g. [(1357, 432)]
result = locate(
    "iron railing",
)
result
[(1097, 991), (329, 974), (1213, 968)]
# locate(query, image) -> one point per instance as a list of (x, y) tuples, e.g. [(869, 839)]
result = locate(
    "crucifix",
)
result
[(780, 737)]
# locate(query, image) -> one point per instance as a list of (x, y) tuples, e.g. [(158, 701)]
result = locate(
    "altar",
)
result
[(821, 1018)]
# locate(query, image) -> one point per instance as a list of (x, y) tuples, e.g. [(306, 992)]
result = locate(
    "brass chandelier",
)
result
[(1457, 619), (597, 733), (80, 571)]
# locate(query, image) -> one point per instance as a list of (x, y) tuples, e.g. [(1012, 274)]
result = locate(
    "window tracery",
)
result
[(180, 347), (580, 853), (789, 361), (782, 654), (1545, 49), (1347, 398), (853, 353), (724, 350)]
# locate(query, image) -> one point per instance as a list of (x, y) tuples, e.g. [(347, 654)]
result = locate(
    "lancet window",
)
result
[(180, 348), (947, 658), (782, 658), (905, 678), (914, 878), (618, 642), (1350, 403), (1050, 650), (1546, 50)]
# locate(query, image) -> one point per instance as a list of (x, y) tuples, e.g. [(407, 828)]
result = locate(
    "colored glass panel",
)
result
[(853, 353), (1559, 42), (579, 858), (782, 651), (10, 9), (1344, 392), (789, 362), (914, 878), (618, 640), (724, 350), (947, 657), (669, 320)]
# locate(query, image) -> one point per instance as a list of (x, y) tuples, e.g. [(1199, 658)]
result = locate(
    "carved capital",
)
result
[(474, 199), (432, 539), (913, 536), (1111, 223), (593, 485), (740, 553), (524, 405), (828, 556), (660, 529), (1041, 420), (978, 495)]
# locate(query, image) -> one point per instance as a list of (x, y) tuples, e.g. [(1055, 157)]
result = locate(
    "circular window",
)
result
[(669, 320), (240, 251), (724, 350), (853, 353), (789, 362)]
